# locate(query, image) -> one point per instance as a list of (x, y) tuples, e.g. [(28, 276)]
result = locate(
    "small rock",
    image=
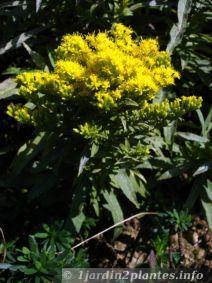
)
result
[(199, 254), (137, 259), (119, 246)]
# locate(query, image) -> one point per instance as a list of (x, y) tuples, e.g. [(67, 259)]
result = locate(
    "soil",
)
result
[(132, 248)]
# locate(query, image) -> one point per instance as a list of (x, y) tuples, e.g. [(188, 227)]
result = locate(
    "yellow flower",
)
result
[(69, 70), (73, 47)]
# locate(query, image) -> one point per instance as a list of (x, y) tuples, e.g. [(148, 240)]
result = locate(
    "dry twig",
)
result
[(141, 214)]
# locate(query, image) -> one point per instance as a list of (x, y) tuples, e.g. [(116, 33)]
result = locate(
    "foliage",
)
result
[(189, 154), (179, 220), (160, 244), (47, 252)]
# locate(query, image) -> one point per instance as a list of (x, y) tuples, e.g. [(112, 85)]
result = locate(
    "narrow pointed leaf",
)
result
[(38, 5)]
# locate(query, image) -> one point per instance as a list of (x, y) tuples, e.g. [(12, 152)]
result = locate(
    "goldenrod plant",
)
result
[(104, 87)]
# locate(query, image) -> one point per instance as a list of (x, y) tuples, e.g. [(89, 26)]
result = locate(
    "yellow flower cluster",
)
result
[(169, 110), (133, 151), (91, 131), (20, 113), (106, 67), (104, 70)]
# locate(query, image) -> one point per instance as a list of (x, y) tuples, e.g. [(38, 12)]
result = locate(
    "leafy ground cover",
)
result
[(90, 137)]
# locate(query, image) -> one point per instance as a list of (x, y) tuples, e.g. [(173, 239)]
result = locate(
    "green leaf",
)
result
[(201, 118), (203, 168), (51, 59), (15, 71), (127, 12), (33, 245), (183, 9), (95, 201), (83, 161), (5, 266), (25, 250), (175, 171), (128, 184), (38, 5), (208, 122), (207, 202), (81, 191), (78, 221), (38, 265), (192, 137), (22, 259), (155, 163), (169, 134), (8, 4), (208, 190), (177, 31), (28, 151), (136, 6), (41, 235), (8, 89), (19, 40), (79, 200), (93, 8), (29, 271), (94, 149), (208, 212), (37, 59), (17, 267), (114, 207), (195, 192)]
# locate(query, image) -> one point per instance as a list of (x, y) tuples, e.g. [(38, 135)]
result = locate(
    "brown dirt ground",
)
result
[(196, 247)]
